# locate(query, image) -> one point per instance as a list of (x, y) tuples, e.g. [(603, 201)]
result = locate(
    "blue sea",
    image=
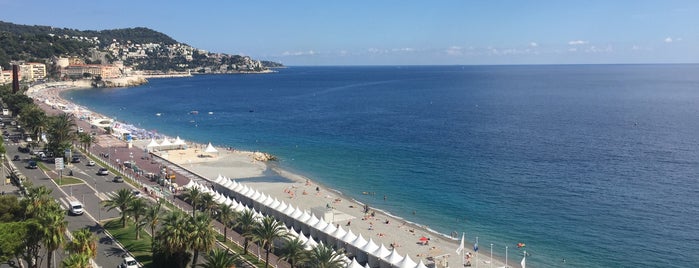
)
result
[(594, 164)]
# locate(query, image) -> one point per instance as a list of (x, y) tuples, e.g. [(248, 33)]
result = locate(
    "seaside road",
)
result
[(110, 255), (118, 149)]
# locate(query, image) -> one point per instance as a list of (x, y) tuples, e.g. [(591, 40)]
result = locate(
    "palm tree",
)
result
[(84, 242), (60, 129), (324, 256), (34, 119), (37, 199), (152, 217), (266, 232), (122, 200), (202, 236), (219, 258), (76, 261), (86, 140), (246, 222), (173, 238), (193, 196), (138, 208), (53, 227), (208, 204), (226, 215), (294, 252)]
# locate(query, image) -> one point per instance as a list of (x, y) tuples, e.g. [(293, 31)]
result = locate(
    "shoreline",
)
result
[(446, 243)]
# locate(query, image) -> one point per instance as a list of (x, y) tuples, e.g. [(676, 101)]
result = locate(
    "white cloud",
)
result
[(299, 53), (533, 44), (671, 40), (405, 49), (578, 42), (572, 49), (454, 51)]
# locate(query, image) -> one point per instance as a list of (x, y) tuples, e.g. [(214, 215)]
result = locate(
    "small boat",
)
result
[(193, 112), (158, 114), (211, 112)]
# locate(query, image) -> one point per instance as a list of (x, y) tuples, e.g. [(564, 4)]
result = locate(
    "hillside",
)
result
[(141, 48)]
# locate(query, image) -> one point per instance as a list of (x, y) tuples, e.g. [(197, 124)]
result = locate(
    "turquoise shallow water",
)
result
[(595, 164)]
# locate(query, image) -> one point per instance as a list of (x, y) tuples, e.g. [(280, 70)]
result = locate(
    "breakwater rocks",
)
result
[(129, 81), (263, 157)]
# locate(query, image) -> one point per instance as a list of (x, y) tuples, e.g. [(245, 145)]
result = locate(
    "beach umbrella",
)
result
[(255, 195), (275, 203), (302, 238), (421, 265), (312, 220), (423, 239), (348, 238), (354, 264), (239, 188), (368, 248), (228, 201), (281, 207), (268, 202), (356, 246), (218, 179), (407, 263), (392, 259), (366, 265), (310, 243), (376, 256)]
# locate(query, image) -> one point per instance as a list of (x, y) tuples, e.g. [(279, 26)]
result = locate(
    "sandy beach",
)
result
[(304, 193)]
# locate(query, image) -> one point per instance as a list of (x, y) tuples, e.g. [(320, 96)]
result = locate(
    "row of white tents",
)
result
[(312, 230), (166, 144)]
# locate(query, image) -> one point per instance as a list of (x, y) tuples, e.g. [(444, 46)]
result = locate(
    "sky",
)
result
[(387, 32)]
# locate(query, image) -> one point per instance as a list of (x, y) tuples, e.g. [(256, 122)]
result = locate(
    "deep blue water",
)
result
[(595, 164)]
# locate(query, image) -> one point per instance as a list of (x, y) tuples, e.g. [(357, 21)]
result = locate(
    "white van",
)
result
[(76, 208)]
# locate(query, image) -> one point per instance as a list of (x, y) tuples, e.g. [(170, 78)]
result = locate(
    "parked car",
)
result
[(16, 158), (118, 179), (103, 171)]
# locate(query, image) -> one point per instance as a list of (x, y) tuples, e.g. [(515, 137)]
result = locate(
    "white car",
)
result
[(90, 163), (129, 262), (103, 172)]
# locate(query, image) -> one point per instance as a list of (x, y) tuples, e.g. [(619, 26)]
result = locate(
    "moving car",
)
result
[(103, 171), (16, 158), (32, 165), (76, 208), (128, 262), (90, 163), (75, 159), (118, 179)]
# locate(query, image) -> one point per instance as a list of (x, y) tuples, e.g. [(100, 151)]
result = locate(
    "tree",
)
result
[(208, 204), (121, 200), (294, 252), (193, 196), (172, 241), (60, 129), (226, 215), (246, 223), (10, 209), (219, 258), (76, 261), (202, 235), (53, 227), (152, 217), (266, 232), (324, 256), (34, 119), (84, 242), (12, 237), (37, 199), (137, 209), (86, 140)]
